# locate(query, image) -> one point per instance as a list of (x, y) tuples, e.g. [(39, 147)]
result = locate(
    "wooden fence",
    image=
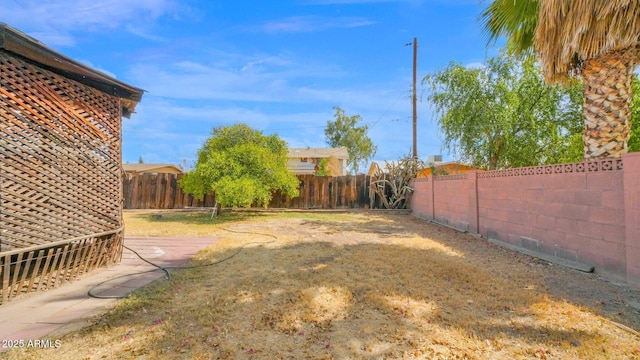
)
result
[(162, 191), (327, 192), (152, 191)]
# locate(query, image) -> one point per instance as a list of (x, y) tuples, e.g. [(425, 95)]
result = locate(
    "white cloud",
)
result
[(258, 78), (91, 65), (60, 38), (260, 63), (345, 2), (372, 97), (59, 19), (475, 65), (313, 23), (195, 81), (144, 33)]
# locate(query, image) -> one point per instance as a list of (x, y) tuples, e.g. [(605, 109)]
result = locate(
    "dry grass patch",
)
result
[(357, 286)]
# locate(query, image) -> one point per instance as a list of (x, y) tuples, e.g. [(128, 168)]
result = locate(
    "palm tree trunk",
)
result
[(607, 103)]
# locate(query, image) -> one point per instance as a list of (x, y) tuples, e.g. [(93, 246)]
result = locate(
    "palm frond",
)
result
[(514, 19), (570, 31)]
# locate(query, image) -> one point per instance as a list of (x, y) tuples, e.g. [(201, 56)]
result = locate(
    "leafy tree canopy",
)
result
[(343, 131), (504, 115), (634, 139), (242, 166), (568, 36), (329, 166)]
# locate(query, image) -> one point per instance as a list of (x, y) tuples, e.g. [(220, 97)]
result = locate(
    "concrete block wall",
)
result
[(421, 201), (451, 201), (631, 184), (584, 212), (577, 216)]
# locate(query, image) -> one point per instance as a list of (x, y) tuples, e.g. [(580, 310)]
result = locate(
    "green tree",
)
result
[(343, 131), (322, 168), (329, 166), (140, 160), (595, 40), (242, 166), (634, 139), (504, 115)]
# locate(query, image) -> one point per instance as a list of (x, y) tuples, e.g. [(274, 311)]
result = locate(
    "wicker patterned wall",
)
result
[(60, 175)]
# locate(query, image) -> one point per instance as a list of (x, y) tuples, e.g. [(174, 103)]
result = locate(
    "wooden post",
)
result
[(324, 203), (414, 97), (59, 278), (167, 190), (18, 266), (69, 253), (135, 182), (44, 276), (36, 268), (6, 267), (342, 191), (307, 188), (25, 269)]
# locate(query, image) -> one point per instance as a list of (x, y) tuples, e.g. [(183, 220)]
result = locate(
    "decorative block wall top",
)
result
[(450, 177), (579, 167)]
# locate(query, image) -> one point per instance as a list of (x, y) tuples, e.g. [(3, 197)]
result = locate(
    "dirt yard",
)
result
[(357, 286)]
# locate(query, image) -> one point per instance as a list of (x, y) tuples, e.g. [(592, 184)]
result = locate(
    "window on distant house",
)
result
[(303, 159)]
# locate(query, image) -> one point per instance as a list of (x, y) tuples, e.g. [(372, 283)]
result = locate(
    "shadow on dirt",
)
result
[(335, 296)]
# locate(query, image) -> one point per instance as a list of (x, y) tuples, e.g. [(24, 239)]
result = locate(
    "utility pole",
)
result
[(414, 98)]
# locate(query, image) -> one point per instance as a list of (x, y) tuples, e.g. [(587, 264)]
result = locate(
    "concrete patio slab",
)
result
[(50, 314)]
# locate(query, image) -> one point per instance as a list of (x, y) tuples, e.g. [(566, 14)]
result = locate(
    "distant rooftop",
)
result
[(320, 153), (151, 168)]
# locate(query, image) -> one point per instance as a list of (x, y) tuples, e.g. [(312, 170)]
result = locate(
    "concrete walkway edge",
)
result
[(50, 314)]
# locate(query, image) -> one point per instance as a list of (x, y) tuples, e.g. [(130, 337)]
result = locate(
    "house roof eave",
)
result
[(23, 45)]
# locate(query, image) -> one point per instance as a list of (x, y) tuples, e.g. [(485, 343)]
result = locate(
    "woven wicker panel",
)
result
[(45, 267), (60, 160)]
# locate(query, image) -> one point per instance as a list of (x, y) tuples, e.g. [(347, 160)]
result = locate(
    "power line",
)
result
[(386, 111)]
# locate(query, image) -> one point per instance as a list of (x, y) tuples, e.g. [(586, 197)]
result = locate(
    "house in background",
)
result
[(434, 162), (305, 161), (447, 168), (134, 169), (375, 168)]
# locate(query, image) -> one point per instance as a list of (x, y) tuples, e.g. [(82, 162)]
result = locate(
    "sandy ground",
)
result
[(363, 286)]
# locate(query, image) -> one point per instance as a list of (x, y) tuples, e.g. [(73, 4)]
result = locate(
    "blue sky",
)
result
[(279, 66)]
